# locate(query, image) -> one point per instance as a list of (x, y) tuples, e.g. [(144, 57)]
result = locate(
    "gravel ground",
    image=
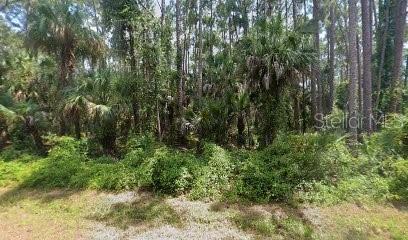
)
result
[(199, 222)]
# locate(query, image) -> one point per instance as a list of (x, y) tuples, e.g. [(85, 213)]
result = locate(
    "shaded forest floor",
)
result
[(68, 214)]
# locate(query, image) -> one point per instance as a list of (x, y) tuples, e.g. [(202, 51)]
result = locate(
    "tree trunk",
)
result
[(133, 69), (406, 71), (163, 12), (359, 82), (304, 110), (296, 109), (400, 22), (332, 42), (200, 52), (33, 130), (136, 115), (179, 58), (62, 126), (367, 54), (131, 49), (374, 12), (77, 126), (294, 13), (352, 96), (241, 129), (317, 98), (159, 129), (383, 45)]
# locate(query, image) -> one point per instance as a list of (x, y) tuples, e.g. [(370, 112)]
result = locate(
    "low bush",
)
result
[(214, 177), (173, 172), (275, 172), (352, 189), (399, 182), (310, 167), (391, 140)]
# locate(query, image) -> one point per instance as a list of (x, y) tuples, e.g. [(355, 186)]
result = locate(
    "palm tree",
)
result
[(274, 66), (241, 102), (58, 28), (74, 109), (27, 117), (102, 120)]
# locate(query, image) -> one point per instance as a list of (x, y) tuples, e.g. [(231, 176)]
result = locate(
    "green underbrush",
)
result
[(303, 168)]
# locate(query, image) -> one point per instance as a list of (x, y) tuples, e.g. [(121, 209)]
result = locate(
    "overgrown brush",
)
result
[(310, 167)]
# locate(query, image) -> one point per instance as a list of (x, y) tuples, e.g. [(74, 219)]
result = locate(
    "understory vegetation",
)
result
[(314, 167)]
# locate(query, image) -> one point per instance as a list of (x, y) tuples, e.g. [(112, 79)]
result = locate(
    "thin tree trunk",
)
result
[(332, 43), (33, 131), (136, 115), (400, 22), (383, 45), (317, 98), (296, 109), (367, 54), (133, 69), (159, 130), (241, 129), (295, 96), (374, 12), (360, 79), (406, 71), (294, 13), (352, 98), (77, 126), (304, 113), (163, 12), (179, 58), (200, 52), (62, 126)]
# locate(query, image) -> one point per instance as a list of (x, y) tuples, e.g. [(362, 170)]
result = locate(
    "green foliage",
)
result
[(67, 166), (275, 172), (173, 172), (312, 167), (359, 188), (214, 177), (341, 95), (289, 227), (399, 182), (392, 140), (262, 226)]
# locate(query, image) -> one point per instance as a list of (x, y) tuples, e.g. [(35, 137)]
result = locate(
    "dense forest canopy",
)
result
[(230, 72)]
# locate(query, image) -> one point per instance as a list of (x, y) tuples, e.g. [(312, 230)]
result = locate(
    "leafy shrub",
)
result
[(64, 161), (311, 167), (146, 143), (391, 140), (275, 172), (173, 173), (213, 178), (399, 183), (107, 177), (68, 166), (15, 172)]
